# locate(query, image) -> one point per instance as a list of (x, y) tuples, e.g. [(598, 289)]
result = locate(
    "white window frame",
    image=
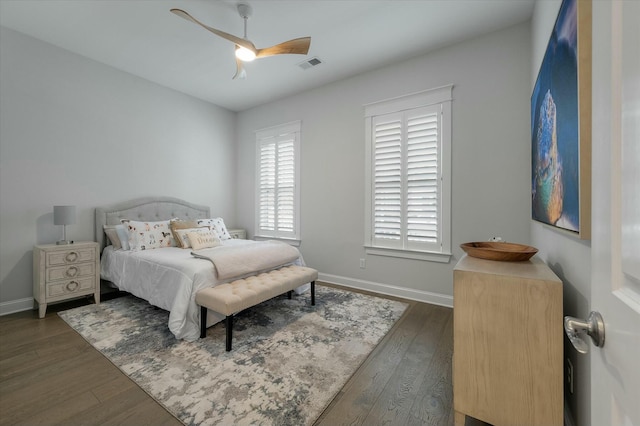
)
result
[(440, 252), (269, 135)]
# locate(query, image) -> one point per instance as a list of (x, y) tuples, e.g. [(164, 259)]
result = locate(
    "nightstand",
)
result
[(62, 272), (240, 234)]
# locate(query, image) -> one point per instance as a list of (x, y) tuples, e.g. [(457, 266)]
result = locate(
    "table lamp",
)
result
[(64, 215)]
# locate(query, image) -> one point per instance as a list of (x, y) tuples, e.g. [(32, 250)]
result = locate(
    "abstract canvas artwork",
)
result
[(560, 138)]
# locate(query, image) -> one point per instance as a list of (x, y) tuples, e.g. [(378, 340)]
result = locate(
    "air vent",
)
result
[(309, 63)]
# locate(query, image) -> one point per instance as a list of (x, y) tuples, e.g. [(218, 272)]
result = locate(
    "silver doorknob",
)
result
[(592, 327)]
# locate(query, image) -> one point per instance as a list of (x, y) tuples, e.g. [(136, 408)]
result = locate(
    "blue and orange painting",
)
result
[(555, 127)]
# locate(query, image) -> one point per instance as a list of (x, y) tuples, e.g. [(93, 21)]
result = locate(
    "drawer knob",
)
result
[(72, 256), (72, 286), (71, 272)]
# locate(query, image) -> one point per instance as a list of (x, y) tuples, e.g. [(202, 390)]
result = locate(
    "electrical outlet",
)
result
[(362, 263), (570, 376)]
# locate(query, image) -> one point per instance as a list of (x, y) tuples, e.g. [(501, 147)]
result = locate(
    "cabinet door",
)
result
[(507, 349)]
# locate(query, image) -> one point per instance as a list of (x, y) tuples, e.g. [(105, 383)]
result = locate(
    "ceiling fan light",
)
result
[(245, 54)]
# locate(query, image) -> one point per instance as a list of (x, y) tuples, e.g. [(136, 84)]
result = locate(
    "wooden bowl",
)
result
[(505, 252)]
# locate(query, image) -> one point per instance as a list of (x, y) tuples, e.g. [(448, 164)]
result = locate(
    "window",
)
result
[(277, 188), (408, 176)]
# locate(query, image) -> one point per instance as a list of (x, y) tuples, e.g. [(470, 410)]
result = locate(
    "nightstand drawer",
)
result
[(69, 256), (71, 271), (66, 288)]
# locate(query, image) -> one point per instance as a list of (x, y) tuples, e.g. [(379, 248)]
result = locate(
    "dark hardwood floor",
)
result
[(51, 375)]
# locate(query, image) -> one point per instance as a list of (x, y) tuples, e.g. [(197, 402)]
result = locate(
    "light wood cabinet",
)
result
[(508, 343), (62, 272)]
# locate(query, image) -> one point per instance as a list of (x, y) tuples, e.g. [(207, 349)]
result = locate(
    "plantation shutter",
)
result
[(423, 177), (267, 187), (276, 186), (406, 179), (387, 179)]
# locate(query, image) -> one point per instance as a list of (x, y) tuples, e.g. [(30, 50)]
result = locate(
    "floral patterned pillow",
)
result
[(149, 235), (216, 224)]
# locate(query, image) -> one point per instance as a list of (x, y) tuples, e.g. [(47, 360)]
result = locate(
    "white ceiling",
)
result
[(350, 36)]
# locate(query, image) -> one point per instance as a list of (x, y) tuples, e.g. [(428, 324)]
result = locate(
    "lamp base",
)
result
[(63, 242)]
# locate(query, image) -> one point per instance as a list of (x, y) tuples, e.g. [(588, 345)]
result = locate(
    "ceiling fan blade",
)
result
[(237, 40), (299, 46), (240, 71)]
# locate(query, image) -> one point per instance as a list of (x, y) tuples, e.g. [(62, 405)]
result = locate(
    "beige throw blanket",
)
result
[(235, 261)]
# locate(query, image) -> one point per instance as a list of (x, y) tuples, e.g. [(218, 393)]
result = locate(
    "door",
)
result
[(615, 249)]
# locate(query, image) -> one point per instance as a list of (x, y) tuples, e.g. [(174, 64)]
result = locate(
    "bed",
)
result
[(167, 277)]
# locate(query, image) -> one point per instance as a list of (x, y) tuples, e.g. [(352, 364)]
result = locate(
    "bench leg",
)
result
[(289, 294), (229, 324), (203, 322), (313, 293)]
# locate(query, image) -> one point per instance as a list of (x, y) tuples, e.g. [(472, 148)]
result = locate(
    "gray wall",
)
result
[(490, 153), (569, 257), (74, 131)]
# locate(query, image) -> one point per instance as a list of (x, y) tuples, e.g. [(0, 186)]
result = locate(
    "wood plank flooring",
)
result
[(50, 375)]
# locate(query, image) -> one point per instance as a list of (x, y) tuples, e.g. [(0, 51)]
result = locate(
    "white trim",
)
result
[(13, 306), (290, 241), (629, 297), (368, 181), (446, 159), (294, 127), (441, 96), (389, 290), (281, 129), (410, 101), (432, 256)]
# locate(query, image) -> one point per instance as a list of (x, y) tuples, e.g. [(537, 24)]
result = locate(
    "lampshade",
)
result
[(64, 215)]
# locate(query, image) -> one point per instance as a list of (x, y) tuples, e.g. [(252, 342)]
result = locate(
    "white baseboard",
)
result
[(26, 304), (389, 290), (14, 306)]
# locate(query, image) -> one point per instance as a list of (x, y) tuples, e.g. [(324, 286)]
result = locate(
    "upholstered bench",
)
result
[(235, 296)]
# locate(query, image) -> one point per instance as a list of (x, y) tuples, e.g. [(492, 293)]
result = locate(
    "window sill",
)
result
[(290, 241), (429, 256)]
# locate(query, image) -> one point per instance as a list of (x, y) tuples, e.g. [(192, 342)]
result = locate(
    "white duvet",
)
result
[(234, 261), (169, 279)]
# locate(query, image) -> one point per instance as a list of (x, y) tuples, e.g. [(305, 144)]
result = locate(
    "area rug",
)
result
[(289, 358)]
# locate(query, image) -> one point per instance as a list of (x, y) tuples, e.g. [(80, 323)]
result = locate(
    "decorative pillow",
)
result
[(217, 224), (200, 240), (123, 234), (118, 236), (182, 235), (112, 234), (149, 235), (176, 224)]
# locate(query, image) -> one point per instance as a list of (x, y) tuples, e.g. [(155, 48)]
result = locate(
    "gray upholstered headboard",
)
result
[(146, 209)]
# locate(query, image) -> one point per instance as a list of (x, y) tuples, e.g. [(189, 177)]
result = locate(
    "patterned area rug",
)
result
[(289, 358)]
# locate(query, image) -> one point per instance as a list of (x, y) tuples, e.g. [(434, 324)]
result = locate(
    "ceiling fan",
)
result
[(246, 51)]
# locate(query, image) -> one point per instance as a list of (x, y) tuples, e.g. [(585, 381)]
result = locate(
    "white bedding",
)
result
[(169, 279), (233, 261)]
